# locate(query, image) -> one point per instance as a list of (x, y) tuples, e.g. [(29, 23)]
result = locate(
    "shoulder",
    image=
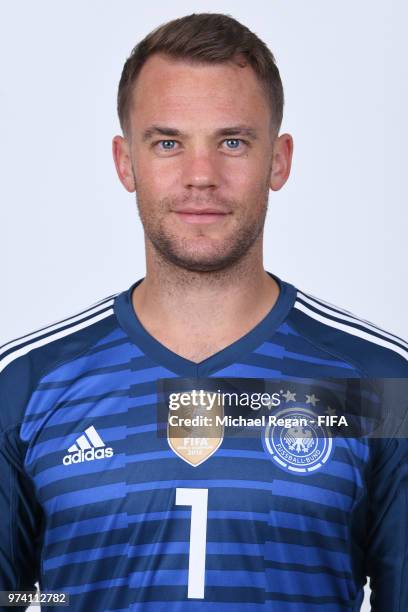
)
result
[(364, 344), (24, 360)]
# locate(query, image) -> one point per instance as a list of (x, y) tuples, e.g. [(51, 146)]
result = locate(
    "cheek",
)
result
[(251, 191), (157, 179), (246, 175)]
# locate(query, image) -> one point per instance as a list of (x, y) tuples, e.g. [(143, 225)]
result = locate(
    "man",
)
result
[(94, 502)]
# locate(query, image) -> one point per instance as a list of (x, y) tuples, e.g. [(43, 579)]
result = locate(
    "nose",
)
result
[(201, 169)]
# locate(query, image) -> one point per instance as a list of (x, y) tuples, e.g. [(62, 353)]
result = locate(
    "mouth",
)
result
[(204, 215)]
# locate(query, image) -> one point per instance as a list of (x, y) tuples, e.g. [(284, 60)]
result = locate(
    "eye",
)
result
[(233, 143), (166, 145)]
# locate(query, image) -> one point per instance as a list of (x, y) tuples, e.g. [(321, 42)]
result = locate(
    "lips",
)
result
[(201, 211), (205, 215)]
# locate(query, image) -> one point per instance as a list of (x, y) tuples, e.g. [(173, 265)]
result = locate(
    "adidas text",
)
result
[(87, 455)]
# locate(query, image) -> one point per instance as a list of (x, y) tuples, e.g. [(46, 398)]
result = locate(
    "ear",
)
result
[(281, 161), (123, 163)]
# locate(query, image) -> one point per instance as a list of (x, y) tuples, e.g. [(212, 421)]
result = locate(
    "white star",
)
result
[(312, 399), (290, 397), (330, 410)]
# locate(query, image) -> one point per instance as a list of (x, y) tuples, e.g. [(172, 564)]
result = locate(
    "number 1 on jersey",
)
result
[(198, 500)]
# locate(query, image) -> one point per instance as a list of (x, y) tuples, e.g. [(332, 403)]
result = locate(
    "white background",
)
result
[(70, 233)]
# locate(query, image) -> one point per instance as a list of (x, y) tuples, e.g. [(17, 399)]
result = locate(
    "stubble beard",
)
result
[(179, 251)]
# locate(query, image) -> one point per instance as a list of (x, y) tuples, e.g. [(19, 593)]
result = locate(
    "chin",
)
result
[(201, 264), (200, 254)]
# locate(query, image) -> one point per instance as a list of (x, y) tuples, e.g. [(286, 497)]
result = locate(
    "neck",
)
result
[(216, 308)]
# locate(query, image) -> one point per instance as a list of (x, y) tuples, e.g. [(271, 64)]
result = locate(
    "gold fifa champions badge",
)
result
[(195, 430)]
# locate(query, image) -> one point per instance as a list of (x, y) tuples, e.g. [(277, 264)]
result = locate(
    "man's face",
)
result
[(201, 157)]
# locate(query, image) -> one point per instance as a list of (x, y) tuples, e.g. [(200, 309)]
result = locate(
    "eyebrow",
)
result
[(233, 130)]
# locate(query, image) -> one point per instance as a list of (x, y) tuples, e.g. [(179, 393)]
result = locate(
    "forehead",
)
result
[(170, 89)]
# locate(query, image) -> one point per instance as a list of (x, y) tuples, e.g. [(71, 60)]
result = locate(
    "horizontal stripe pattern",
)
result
[(113, 530)]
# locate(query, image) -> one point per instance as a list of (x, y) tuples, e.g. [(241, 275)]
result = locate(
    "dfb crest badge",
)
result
[(303, 447)]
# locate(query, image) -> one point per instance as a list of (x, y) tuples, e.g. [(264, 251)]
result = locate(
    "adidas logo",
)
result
[(87, 447)]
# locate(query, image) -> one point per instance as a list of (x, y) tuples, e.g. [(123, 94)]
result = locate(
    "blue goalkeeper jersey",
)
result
[(96, 504)]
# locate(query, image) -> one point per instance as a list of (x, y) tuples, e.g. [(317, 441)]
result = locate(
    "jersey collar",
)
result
[(163, 356)]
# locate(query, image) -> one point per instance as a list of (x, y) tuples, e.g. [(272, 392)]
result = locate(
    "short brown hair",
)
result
[(204, 38)]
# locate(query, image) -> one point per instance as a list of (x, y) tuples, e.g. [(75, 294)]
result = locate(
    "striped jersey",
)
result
[(95, 504)]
